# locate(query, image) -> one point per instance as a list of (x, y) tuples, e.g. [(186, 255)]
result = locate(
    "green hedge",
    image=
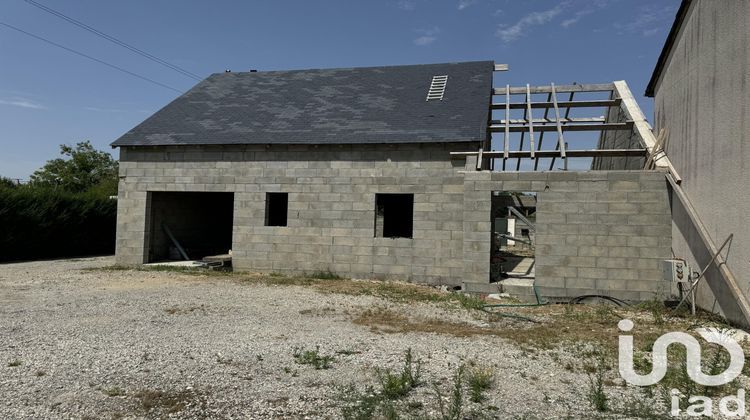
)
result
[(40, 223)]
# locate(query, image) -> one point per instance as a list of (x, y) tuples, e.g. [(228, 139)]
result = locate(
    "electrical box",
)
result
[(675, 271)]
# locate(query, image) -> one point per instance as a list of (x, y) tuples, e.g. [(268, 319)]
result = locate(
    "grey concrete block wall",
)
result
[(331, 214), (599, 232)]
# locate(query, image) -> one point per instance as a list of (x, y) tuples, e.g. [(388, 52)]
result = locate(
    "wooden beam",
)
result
[(600, 87), (541, 134), (577, 127), (514, 154), (560, 140), (550, 120), (565, 104), (501, 67), (479, 160), (567, 115), (506, 138), (531, 120), (642, 127)]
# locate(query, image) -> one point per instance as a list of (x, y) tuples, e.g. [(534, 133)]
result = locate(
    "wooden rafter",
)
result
[(513, 154), (605, 103), (558, 125)]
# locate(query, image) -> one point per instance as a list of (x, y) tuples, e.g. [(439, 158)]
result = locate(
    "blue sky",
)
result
[(49, 96)]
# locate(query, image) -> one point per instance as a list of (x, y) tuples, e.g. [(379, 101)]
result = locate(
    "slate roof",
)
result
[(327, 106)]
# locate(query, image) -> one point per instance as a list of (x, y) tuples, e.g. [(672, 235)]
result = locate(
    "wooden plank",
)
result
[(560, 140), (531, 120), (175, 242), (565, 104), (657, 148), (550, 120), (479, 160), (506, 138), (642, 127), (514, 154), (541, 134), (598, 87), (501, 67), (577, 127), (567, 115)]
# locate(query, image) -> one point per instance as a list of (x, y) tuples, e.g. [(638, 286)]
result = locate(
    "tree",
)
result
[(84, 169)]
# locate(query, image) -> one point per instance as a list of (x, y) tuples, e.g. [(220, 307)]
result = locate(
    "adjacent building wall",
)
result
[(598, 232), (702, 99), (331, 205)]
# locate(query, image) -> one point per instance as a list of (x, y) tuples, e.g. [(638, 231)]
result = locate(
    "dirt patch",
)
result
[(390, 322)]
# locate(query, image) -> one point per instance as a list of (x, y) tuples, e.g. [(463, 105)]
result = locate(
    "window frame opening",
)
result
[(277, 209), (390, 209)]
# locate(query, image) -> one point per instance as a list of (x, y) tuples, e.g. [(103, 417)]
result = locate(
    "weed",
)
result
[(656, 308), (398, 385), (467, 301), (259, 357), (346, 352), (479, 379), (14, 363), (325, 275), (184, 310), (453, 411), (361, 406), (114, 392), (596, 395), (40, 373), (313, 358)]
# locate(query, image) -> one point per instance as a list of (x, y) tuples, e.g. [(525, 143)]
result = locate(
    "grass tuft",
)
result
[(398, 385), (114, 392), (325, 275), (312, 358), (479, 380)]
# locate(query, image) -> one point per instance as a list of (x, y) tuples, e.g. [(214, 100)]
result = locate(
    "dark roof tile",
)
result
[(330, 106)]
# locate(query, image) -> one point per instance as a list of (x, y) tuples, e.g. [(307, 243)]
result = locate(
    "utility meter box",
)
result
[(676, 271)]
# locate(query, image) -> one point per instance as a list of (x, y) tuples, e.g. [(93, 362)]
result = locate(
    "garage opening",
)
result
[(513, 235), (189, 225)]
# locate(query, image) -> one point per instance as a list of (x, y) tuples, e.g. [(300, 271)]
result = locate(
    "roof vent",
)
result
[(437, 88)]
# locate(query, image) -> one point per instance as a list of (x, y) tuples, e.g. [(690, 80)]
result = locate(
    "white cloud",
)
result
[(510, 33), (407, 4), (424, 40), (463, 4), (585, 8), (650, 20), (428, 36), (22, 103)]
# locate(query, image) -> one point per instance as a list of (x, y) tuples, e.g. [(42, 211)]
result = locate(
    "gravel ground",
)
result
[(142, 344)]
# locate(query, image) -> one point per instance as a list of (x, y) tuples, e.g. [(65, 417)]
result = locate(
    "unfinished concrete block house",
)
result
[(428, 173)]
